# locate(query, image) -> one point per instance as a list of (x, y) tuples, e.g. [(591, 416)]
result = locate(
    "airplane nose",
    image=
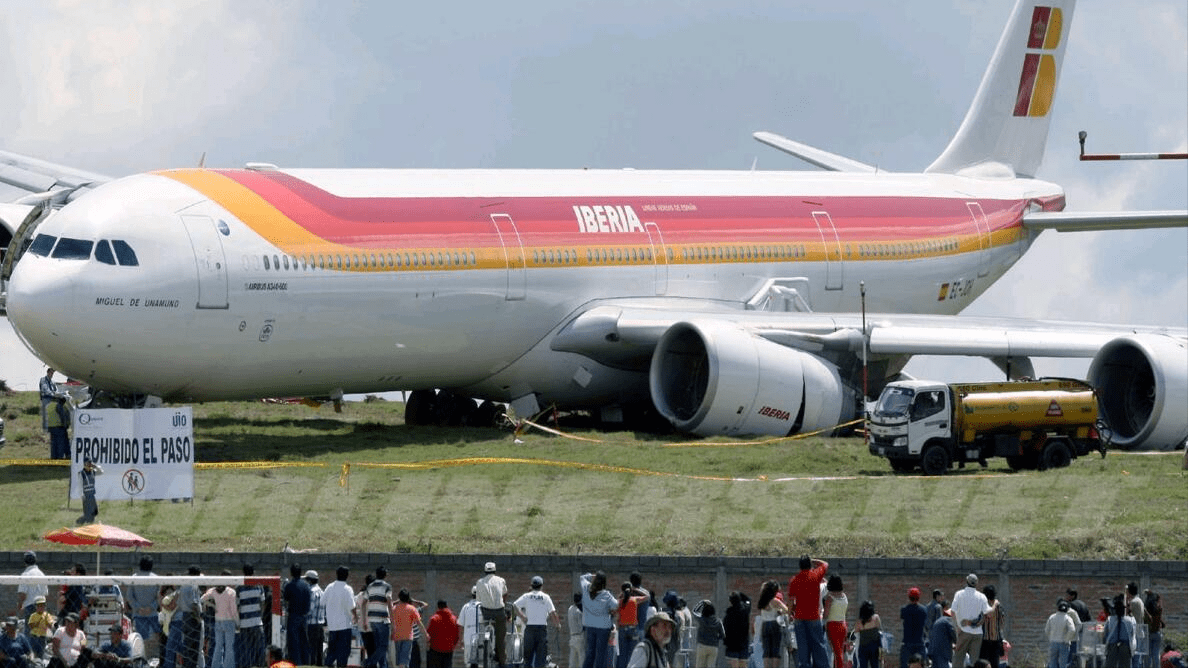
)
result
[(41, 304)]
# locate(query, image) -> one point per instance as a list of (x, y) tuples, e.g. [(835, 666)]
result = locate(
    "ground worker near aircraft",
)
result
[(57, 422), (87, 477), (47, 388)]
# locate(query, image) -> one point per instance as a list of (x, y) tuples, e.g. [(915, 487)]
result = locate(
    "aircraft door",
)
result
[(211, 264), (659, 256), (983, 230), (513, 253), (834, 266)]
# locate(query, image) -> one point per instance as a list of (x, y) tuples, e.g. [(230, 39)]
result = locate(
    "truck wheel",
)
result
[(902, 465), (1016, 462), (1055, 456), (935, 460)]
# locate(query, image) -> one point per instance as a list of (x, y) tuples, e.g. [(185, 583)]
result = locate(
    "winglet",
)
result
[(1007, 124), (815, 156)]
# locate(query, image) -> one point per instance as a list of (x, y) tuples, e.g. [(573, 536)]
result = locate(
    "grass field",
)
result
[(477, 490)]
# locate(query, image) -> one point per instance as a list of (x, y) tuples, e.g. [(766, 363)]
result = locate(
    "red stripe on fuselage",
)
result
[(448, 222)]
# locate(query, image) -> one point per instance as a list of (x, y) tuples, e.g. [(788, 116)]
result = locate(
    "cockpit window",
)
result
[(42, 245), (124, 253), (103, 252), (73, 249)]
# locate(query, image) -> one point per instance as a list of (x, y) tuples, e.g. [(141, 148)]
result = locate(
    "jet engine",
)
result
[(712, 378), (1142, 386)]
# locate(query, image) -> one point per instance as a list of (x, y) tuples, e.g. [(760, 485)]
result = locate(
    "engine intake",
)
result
[(713, 378), (1142, 386)]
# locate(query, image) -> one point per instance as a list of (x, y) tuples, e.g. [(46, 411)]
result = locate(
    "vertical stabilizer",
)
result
[(1007, 124)]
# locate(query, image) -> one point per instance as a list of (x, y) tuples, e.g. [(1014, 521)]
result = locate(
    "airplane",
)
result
[(730, 302)]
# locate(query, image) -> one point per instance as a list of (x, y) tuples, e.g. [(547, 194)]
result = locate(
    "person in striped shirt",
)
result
[(249, 642), (379, 603)]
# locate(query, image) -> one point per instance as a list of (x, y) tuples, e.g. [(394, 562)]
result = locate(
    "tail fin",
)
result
[(1007, 124)]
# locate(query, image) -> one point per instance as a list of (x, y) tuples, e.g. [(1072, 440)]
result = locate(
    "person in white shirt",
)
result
[(492, 595), (469, 618), (969, 605), (536, 609), (338, 600), (1060, 632)]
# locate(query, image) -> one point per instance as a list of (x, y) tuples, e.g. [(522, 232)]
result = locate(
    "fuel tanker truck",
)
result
[(1040, 424)]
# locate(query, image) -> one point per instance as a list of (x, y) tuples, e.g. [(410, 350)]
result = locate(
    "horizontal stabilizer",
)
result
[(1090, 221), (815, 156)]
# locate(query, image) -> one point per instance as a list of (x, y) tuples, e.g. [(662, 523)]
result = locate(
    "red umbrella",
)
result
[(97, 534)]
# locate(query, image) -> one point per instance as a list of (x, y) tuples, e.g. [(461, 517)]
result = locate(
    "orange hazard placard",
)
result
[(1054, 409)]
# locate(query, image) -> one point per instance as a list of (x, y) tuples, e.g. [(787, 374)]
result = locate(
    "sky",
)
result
[(118, 87)]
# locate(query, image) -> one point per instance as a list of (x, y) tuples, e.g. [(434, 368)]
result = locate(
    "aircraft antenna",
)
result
[(865, 341)]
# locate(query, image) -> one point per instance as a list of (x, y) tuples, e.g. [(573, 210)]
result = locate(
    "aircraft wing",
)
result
[(1091, 221), (732, 356), (25, 180)]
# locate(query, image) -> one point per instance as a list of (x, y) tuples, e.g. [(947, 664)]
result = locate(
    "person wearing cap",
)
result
[(28, 593), (40, 625), (15, 647), (115, 652), (650, 652), (87, 481), (913, 615), (226, 618), (468, 628), (804, 597), (338, 605), (969, 606), (68, 643), (1060, 631), (538, 612), (492, 596), (317, 619)]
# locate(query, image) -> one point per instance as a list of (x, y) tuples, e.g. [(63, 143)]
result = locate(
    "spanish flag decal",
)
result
[(1037, 81)]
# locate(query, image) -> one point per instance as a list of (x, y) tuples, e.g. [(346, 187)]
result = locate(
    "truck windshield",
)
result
[(894, 401)]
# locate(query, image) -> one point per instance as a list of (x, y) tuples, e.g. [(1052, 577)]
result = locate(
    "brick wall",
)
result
[(1027, 589)]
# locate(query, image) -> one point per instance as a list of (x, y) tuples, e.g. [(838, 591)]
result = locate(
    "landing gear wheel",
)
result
[(420, 408), (1055, 456), (935, 460)]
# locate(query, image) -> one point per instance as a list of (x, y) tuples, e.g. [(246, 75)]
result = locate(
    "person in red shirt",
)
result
[(804, 597), (443, 637)]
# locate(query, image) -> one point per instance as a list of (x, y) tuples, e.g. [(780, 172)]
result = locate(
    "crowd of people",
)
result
[(809, 625)]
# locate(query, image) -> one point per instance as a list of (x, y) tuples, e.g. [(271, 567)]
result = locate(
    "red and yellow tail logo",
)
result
[(1037, 82)]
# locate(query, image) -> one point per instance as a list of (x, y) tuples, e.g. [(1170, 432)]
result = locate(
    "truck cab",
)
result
[(907, 415)]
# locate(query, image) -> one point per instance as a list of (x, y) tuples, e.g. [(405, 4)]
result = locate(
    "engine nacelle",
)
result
[(1142, 386), (712, 378)]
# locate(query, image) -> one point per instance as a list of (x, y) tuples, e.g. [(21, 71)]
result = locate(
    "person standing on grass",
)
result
[(804, 596)]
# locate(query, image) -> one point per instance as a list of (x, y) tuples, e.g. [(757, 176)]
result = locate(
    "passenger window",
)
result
[(286, 262), (103, 252), (72, 249), (42, 245), (266, 265)]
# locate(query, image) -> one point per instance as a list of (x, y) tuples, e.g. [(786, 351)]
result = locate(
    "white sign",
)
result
[(145, 453)]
